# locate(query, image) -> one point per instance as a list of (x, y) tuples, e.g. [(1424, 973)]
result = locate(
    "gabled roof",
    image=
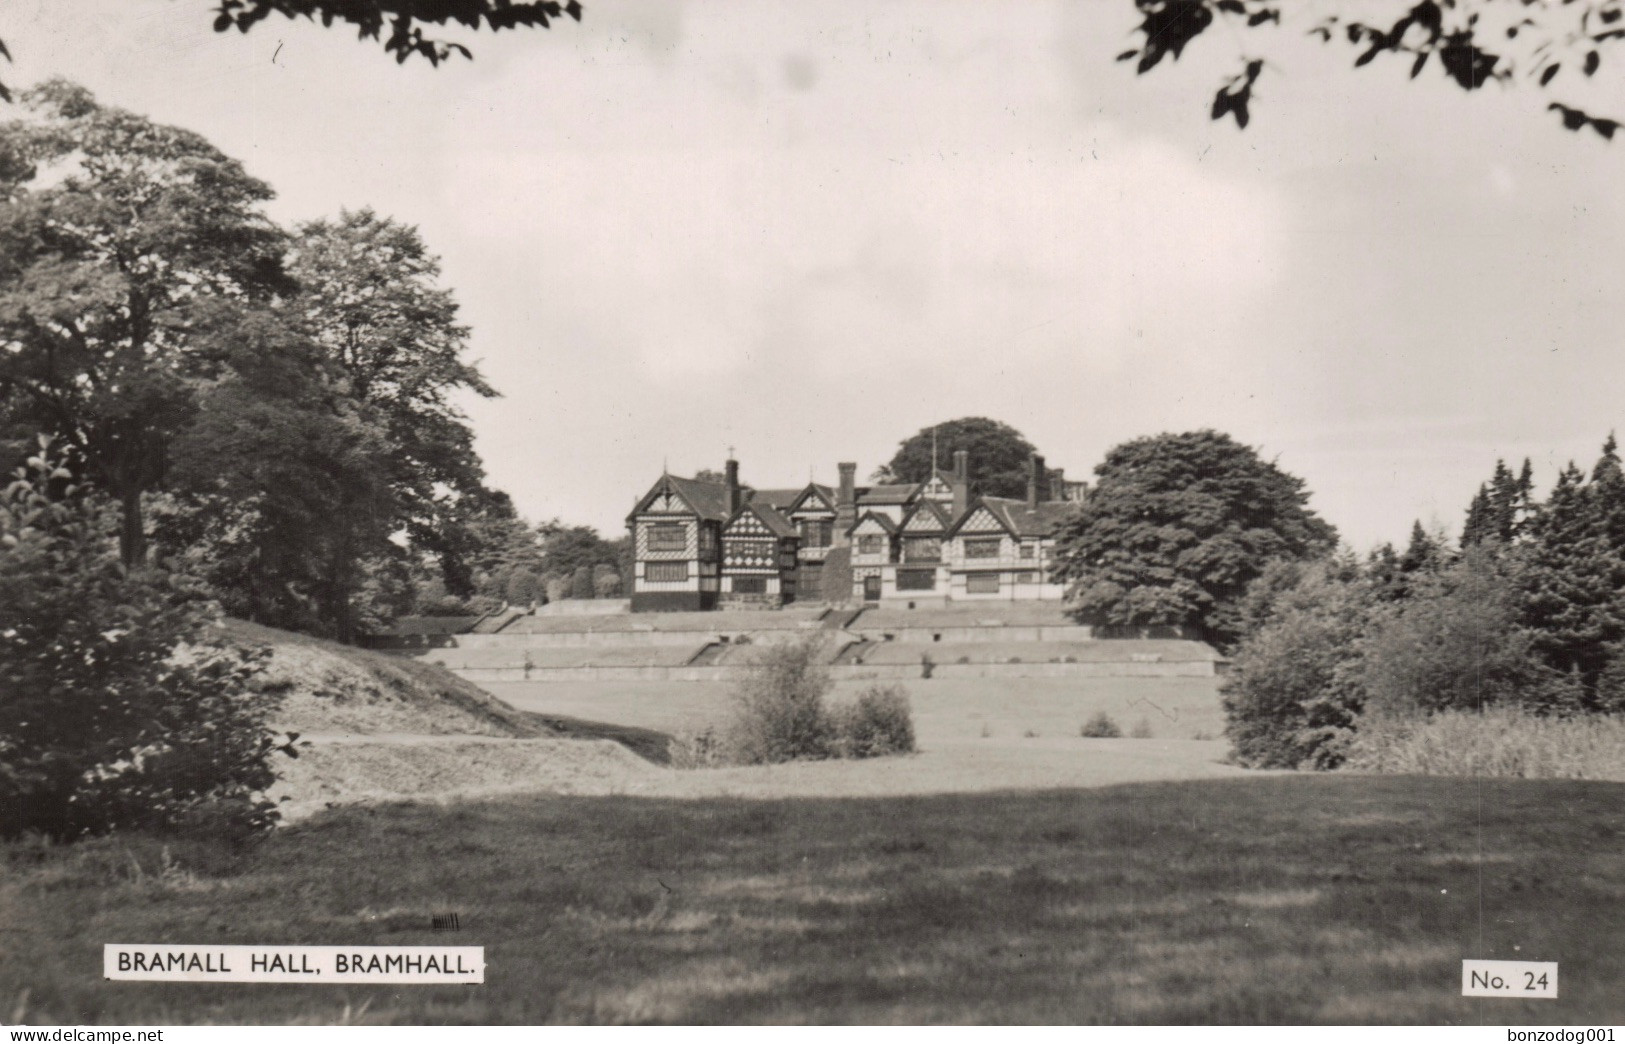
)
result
[(890, 493), (980, 503), (771, 517), (885, 522), (813, 490), (936, 521), (1023, 521), (778, 498), (705, 499)]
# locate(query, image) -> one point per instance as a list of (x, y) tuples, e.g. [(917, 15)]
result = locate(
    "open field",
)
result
[(1272, 900), (947, 711)]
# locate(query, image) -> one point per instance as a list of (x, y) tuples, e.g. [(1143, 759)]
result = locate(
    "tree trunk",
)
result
[(132, 537)]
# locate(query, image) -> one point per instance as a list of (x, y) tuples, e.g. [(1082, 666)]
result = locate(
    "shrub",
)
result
[(691, 750), (557, 588), (779, 712), (1141, 729), (1101, 726), (119, 710), (1293, 690), (606, 582), (581, 582), (874, 725), (1498, 741), (523, 587)]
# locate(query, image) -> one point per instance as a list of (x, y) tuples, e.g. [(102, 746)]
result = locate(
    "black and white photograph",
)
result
[(687, 513)]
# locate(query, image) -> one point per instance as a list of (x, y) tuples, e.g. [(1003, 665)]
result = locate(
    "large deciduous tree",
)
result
[(1176, 528), (370, 296), (998, 455), (119, 240)]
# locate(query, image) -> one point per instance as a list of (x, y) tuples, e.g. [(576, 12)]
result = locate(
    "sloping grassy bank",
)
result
[(331, 688), (1287, 899)]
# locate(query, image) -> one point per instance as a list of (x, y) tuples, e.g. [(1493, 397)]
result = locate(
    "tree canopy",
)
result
[(1470, 43), (275, 410), (120, 242), (404, 21), (1178, 526), (998, 455)]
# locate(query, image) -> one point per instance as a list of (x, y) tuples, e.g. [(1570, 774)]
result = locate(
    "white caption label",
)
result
[(418, 964), (1509, 979)]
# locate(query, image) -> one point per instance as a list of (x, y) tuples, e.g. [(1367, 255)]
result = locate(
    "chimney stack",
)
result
[(962, 464), (1035, 480), (735, 497), (1057, 484), (846, 501)]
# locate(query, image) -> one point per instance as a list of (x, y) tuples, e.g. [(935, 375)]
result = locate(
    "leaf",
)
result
[(1126, 55), (1232, 6), (1546, 77), (1416, 67), (222, 23), (1593, 60)]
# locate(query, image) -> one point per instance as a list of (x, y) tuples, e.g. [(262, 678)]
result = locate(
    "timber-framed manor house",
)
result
[(702, 544)]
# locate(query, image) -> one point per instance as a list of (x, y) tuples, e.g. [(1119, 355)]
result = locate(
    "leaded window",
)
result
[(983, 547), (665, 572), (668, 536)]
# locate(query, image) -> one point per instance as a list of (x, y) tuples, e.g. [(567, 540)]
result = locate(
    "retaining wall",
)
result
[(853, 672)]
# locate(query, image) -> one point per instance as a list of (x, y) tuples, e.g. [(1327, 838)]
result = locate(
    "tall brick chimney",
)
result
[(736, 496), (1057, 484), (846, 501), (962, 464), (1035, 480)]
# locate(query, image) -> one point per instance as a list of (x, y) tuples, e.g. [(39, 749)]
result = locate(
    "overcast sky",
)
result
[(809, 230)]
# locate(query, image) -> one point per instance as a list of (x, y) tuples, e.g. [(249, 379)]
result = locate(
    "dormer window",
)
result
[(871, 544), (817, 533)]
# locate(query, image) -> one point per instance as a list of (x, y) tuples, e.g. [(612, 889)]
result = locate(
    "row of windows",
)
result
[(929, 549)]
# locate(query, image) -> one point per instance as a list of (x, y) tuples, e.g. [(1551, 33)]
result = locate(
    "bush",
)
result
[(1293, 690), (1499, 741), (1101, 726), (581, 582), (606, 582), (1141, 729), (779, 712), (875, 725), (691, 750), (119, 710), (523, 587)]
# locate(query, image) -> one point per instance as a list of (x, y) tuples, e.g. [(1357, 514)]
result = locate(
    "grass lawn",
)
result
[(946, 710), (1281, 899)]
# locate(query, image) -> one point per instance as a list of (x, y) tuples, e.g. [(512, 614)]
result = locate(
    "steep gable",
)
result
[(873, 522), (982, 517), (928, 519), (813, 499)]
